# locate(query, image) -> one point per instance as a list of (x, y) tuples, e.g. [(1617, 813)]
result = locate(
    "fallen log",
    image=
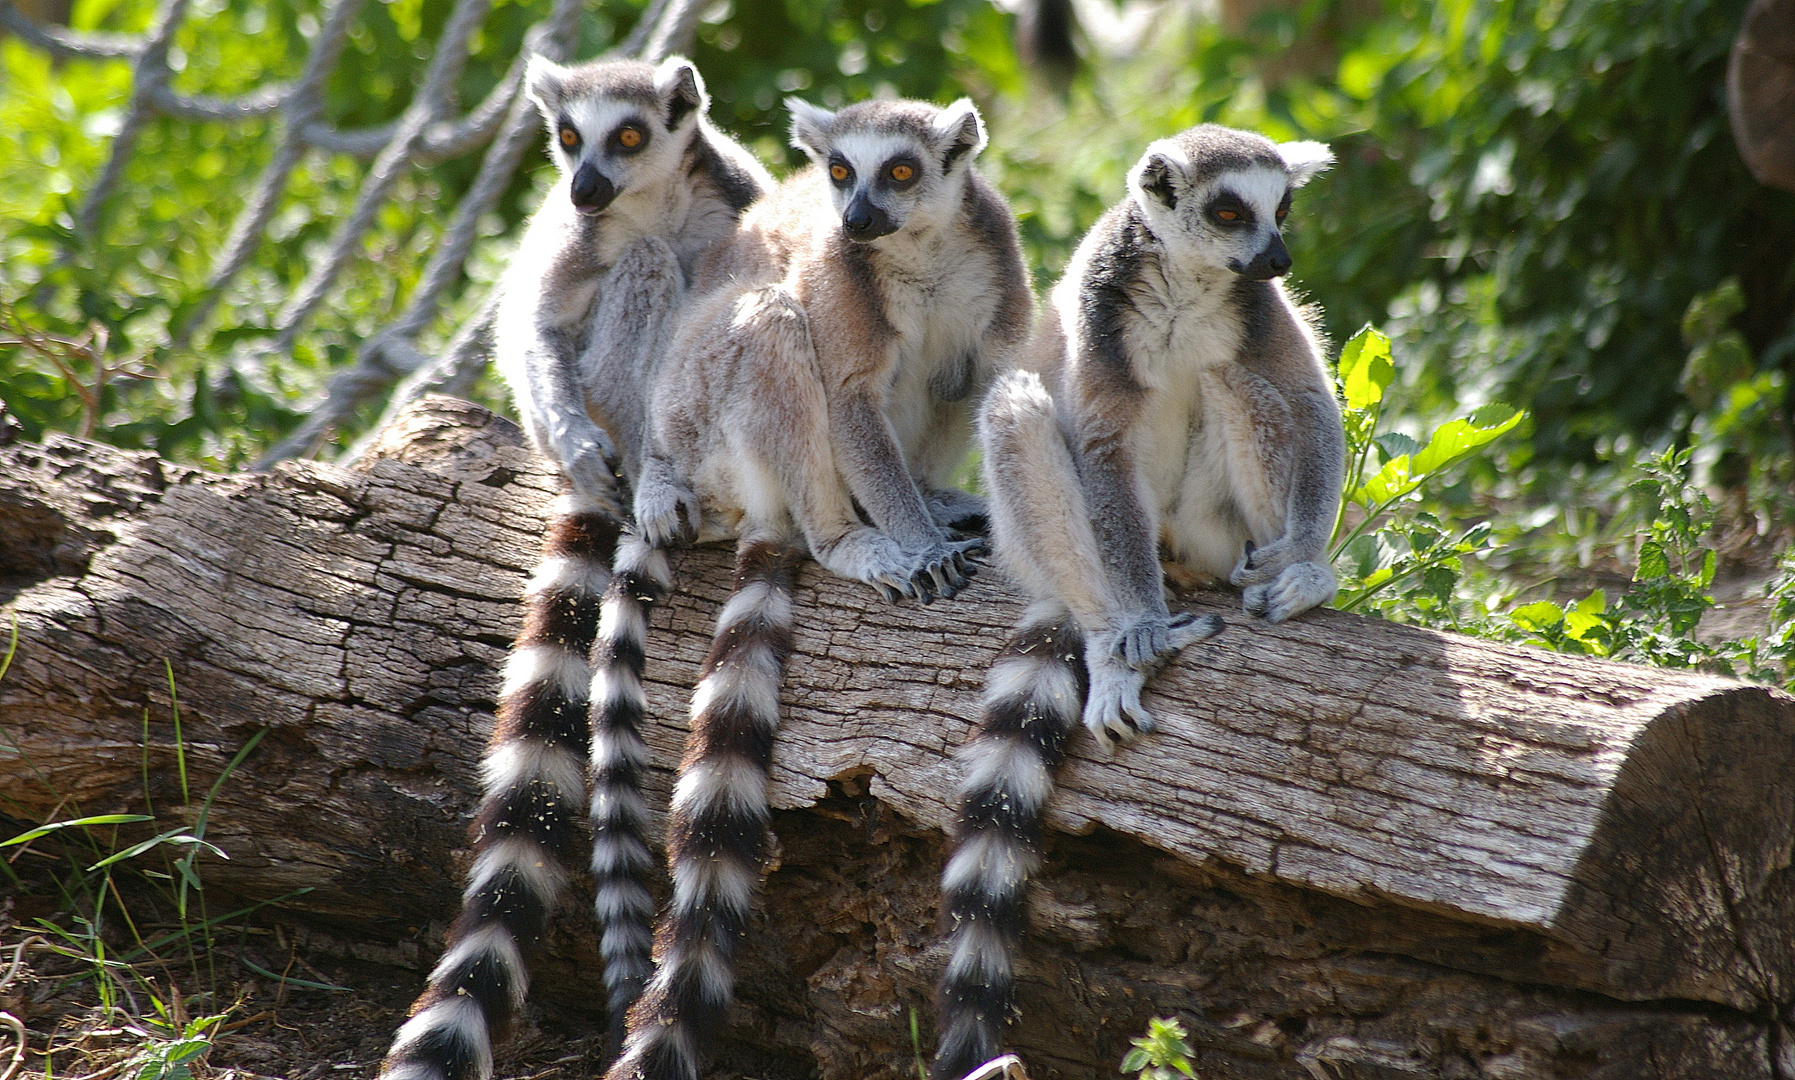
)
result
[(1354, 849)]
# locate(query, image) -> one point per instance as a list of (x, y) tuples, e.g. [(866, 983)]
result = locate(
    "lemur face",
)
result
[(616, 127), (892, 165), (1219, 196)]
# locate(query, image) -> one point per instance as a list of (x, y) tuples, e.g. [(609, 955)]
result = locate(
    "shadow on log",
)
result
[(1355, 849)]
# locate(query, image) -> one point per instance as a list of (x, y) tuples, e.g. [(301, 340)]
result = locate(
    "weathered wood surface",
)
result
[(1354, 849)]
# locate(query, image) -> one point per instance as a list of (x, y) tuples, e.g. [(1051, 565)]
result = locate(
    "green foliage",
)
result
[(1161, 1054), (136, 282), (170, 1047), (1415, 556), (1496, 205), (754, 53), (1546, 242), (1395, 542), (1655, 620)]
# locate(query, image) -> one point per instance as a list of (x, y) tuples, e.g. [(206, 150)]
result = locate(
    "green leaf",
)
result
[(1396, 444), (1366, 369), (1585, 616), (1456, 439), (1653, 562), (77, 823), (1438, 581), (1392, 481), (173, 836), (1539, 617)]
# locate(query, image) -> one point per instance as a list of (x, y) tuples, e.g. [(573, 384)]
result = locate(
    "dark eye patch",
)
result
[(629, 137), (841, 174), (1228, 211), (900, 172)]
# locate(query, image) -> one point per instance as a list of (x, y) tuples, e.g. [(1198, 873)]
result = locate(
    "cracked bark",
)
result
[(1354, 850)]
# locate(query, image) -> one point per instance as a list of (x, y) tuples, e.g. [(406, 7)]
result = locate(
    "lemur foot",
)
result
[(946, 570), (667, 512), (1282, 579), (1295, 590), (1112, 709), (866, 554), (591, 466), (1188, 628), (1148, 642)]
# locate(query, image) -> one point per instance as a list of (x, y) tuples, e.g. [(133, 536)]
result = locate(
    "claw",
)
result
[(923, 586), (1191, 627)]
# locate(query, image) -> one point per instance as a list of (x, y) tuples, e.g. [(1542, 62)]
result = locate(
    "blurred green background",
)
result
[(1539, 201)]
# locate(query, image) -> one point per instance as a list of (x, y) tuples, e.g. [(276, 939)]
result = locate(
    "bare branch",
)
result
[(203, 107), (68, 44), (150, 74), (673, 31), (304, 104), (431, 101), (505, 121)]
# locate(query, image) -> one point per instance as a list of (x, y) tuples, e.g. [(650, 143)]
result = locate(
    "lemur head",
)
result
[(614, 125), (891, 164), (1220, 195)]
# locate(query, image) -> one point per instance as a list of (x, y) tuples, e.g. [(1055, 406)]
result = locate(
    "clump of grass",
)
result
[(139, 1022)]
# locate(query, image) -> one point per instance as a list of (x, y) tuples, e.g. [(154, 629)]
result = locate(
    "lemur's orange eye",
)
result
[(1226, 215), (570, 138), (838, 172), (902, 173), (630, 138)]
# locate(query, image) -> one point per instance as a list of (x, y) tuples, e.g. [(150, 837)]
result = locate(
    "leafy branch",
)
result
[(1384, 546)]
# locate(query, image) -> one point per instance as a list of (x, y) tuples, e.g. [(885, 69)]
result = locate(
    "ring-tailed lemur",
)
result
[(816, 403), (647, 187), (1191, 411)]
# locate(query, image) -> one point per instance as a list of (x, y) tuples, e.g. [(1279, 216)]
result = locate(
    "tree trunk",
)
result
[(1354, 849)]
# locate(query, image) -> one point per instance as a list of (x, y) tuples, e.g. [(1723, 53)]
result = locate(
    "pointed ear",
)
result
[(1152, 179), (681, 90), (544, 81), (810, 127), (961, 132), (1302, 160)]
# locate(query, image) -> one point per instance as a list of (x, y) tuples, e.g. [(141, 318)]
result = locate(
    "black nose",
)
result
[(1272, 261), (592, 192), (863, 221)]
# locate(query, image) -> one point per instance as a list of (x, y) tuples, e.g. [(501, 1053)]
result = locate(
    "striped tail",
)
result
[(622, 861), (717, 825), (527, 835), (1034, 697)]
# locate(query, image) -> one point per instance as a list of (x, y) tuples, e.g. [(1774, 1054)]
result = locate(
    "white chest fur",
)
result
[(939, 299), (1184, 335)]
